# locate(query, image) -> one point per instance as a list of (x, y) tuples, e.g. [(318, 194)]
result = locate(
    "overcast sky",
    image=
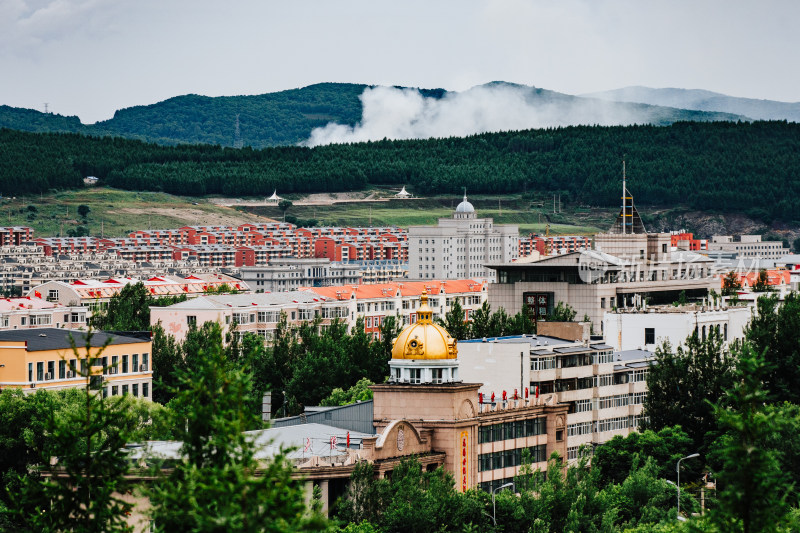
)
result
[(91, 57)]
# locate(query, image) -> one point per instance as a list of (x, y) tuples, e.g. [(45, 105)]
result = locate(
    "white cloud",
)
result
[(405, 114)]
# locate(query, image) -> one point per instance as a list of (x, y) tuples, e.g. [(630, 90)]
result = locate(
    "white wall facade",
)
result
[(632, 330)]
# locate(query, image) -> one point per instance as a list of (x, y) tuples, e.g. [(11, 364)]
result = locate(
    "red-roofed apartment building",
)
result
[(375, 302)]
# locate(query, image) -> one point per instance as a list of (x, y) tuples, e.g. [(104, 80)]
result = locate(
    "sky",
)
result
[(91, 57)]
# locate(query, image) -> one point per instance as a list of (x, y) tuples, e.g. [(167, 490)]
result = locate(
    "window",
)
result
[(114, 390), (613, 424), (416, 375), (191, 320), (114, 364), (41, 320), (145, 390), (51, 369), (30, 371), (145, 358), (543, 363), (124, 390), (649, 335), (135, 389), (436, 375), (581, 428), (77, 317), (52, 295), (62, 369), (23, 320), (40, 371), (124, 364), (135, 363)]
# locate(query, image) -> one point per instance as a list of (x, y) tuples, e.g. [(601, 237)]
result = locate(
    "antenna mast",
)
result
[(624, 200), (237, 135), (45, 107)]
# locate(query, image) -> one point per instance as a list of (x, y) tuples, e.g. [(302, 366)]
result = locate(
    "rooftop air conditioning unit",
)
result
[(33, 385), (143, 368), (114, 370), (48, 376), (70, 374)]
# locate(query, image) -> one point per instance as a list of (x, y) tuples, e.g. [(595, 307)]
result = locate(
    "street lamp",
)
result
[(678, 470), (682, 519), (494, 519)]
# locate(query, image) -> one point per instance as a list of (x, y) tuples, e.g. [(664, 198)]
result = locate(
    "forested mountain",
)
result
[(717, 166), (705, 101), (288, 117)]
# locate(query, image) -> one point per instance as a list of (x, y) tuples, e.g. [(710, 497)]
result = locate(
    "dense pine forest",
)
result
[(723, 166)]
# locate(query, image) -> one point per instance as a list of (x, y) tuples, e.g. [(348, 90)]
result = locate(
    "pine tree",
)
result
[(219, 484)]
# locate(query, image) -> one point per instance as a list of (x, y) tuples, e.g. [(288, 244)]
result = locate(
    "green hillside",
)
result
[(749, 168), (288, 117)]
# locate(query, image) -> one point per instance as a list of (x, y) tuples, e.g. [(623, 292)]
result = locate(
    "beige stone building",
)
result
[(460, 246), (627, 268)]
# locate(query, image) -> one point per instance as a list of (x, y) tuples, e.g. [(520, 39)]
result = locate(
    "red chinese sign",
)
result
[(464, 461)]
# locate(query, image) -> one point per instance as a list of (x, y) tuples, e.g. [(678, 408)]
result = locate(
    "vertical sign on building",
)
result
[(464, 461)]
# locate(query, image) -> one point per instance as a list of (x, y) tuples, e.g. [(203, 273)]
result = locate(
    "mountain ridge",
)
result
[(287, 117)]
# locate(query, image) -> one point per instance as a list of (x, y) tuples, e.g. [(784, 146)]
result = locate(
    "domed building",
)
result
[(482, 438), (461, 246), (424, 352)]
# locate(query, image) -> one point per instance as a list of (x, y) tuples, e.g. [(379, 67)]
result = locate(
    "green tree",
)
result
[(81, 495), (762, 282), (681, 382), (774, 331), (284, 206), (480, 322), (357, 393), (128, 310), (168, 361), (731, 284), (220, 485), (563, 312), (752, 486), (83, 210), (615, 459), (455, 322)]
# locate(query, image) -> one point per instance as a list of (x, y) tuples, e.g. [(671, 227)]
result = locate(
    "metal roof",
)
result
[(59, 339)]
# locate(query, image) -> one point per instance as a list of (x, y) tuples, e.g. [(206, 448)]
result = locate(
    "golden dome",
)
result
[(424, 339)]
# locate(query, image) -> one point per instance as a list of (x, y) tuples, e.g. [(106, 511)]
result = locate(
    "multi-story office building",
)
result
[(460, 247), (628, 267), (748, 246), (603, 390), (32, 359)]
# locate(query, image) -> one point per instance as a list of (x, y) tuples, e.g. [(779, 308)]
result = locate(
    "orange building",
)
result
[(43, 358)]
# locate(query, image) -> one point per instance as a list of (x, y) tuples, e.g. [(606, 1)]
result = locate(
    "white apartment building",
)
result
[(460, 247), (250, 313), (649, 327), (604, 389), (748, 246), (33, 312), (289, 274)]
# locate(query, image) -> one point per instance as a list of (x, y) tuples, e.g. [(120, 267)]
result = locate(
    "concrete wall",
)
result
[(573, 331)]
